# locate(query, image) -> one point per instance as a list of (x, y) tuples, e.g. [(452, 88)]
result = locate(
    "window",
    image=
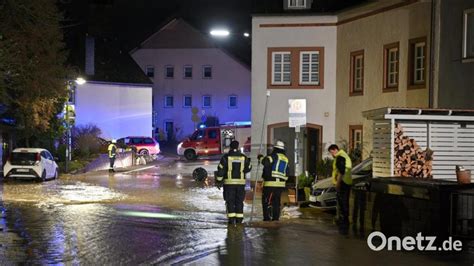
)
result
[(232, 101), (355, 138), (187, 101), (150, 71), (296, 3), (188, 72), (295, 68), (417, 63), (169, 72), (169, 101), (468, 35), (391, 67), (199, 134), (212, 134), (206, 101), (148, 141), (309, 68), (357, 73), (281, 68), (206, 72)]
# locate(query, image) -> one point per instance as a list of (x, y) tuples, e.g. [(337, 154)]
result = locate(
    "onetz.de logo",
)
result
[(377, 241)]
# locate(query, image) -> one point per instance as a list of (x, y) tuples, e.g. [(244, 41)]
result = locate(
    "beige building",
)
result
[(382, 60)]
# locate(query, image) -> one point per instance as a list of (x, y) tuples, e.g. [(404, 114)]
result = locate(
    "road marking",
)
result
[(139, 169)]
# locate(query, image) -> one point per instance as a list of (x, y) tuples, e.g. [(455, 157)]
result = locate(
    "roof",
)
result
[(420, 114), (177, 33), (29, 149)]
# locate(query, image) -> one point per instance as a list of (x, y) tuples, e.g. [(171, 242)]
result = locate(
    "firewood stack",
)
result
[(410, 159)]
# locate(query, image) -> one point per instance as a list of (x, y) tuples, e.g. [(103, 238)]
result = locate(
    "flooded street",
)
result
[(160, 215)]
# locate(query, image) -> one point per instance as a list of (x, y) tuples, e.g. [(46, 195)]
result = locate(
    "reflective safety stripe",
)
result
[(280, 166), (231, 160), (220, 166), (239, 215), (235, 159), (274, 184), (279, 175), (231, 215), (228, 181), (219, 178)]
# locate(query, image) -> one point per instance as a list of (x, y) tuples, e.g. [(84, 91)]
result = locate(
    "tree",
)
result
[(32, 64)]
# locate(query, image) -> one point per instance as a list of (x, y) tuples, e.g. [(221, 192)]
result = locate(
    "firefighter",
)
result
[(342, 179), (112, 154), (275, 175), (231, 173)]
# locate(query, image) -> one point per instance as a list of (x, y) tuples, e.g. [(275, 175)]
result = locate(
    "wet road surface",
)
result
[(159, 215)]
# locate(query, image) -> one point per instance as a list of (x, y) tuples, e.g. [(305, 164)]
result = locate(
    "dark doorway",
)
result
[(313, 149)]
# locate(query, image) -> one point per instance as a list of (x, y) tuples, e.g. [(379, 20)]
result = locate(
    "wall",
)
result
[(456, 79), (119, 110), (371, 34), (229, 77), (320, 102)]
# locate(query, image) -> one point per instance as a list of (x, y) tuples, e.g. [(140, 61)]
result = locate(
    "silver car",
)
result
[(323, 195)]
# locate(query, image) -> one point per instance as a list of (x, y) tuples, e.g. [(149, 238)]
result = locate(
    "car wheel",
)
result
[(56, 174), (190, 155), (143, 152)]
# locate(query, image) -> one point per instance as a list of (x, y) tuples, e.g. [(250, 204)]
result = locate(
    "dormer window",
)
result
[(296, 4)]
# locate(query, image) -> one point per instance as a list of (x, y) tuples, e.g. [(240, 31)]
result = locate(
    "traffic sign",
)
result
[(297, 112)]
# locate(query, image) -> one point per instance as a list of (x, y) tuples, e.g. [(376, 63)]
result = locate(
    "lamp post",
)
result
[(71, 85)]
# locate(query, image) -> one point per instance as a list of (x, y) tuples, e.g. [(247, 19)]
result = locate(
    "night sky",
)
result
[(121, 25)]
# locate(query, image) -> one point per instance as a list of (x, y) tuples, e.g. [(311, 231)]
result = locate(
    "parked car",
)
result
[(323, 194), (31, 163), (143, 145)]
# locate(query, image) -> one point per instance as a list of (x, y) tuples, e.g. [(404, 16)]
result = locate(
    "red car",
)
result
[(143, 145)]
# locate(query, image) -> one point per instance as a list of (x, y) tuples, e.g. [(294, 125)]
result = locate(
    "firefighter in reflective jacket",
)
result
[(112, 154), (275, 175), (231, 173), (342, 179)]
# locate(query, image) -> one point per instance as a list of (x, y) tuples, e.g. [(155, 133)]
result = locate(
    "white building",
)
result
[(188, 70), (118, 109), (294, 62)]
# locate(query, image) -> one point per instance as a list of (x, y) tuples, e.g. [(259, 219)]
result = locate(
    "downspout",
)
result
[(432, 55)]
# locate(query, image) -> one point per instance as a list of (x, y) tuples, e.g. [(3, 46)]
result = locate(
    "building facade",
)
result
[(294, 61), (390, 69), (118, 109), (193, 80)]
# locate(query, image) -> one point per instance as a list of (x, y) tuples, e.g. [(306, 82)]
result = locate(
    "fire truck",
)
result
[(207, 141)]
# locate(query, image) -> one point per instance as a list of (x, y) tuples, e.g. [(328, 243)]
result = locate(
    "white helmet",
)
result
[(114, 141), (279, 145)]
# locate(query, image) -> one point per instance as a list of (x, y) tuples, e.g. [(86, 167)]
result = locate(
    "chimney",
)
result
[(90, 56)]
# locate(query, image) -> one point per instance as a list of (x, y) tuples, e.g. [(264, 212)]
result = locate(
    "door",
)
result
[(46, 162), (313, 149), (169, 129), (213, 142)]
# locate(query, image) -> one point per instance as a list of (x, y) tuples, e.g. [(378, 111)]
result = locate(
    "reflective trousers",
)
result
[(271, 197), (234, 196)]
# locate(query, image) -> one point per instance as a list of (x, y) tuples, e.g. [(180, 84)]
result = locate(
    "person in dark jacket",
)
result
[(342, 179), (275, 175), (231, 173)]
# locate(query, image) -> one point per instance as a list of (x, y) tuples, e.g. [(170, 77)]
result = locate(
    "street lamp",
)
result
[(246, 34), (220, 33), (71, 85)]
